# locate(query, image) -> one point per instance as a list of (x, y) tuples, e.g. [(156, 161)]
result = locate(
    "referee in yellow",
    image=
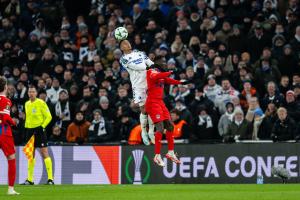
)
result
[(38, 117)]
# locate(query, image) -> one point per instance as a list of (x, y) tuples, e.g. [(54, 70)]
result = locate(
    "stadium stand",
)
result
[(243, 52)]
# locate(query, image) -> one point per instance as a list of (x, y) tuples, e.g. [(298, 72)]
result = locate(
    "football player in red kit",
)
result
[(6, 138), (157, 110)]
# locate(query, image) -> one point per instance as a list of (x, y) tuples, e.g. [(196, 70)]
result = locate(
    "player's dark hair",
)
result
[(3, 82)]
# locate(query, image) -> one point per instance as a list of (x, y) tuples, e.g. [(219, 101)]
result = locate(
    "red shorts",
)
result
[(7, 145), (157, 110)]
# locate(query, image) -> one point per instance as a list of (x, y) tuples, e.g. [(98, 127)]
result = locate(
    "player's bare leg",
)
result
[(144, 122), (170, 138), (158, 136), (48, 164), (11, 159)]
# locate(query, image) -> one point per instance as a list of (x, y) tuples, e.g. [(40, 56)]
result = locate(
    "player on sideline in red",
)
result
[(6, 138), (156, 108)]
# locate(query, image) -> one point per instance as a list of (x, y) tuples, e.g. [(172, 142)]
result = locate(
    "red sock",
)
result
[(170, 139), (11, 172), (157, 146)]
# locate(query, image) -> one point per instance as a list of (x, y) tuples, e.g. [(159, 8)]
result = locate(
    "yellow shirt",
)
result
[(37, 114)]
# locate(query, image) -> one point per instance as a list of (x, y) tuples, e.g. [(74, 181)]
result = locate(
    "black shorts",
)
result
[(40, 137)]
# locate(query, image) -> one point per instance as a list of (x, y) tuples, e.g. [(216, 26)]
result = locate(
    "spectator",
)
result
[(236, 41), (284, 128), (297, 92), (272, 96), (53, 92), (212, 89), (257, 42), (68, 80), (87, 104), (284, 85), (184, 94), (106, 111), (100, 129), (58, 135), (224, 33), (295, 42), (225, 95), (181, 130), (288, 62), (201, 99), (247, 93), (125, 125), (205, 126), (77, 131), (257, 123), (185, 114), (226, 119), (239, 129), (266, 73), (265, 127), (46, 64), (253, 105), (63, 110), (291, 105)]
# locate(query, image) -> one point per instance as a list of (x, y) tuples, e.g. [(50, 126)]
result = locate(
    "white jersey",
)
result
[(135, 63)]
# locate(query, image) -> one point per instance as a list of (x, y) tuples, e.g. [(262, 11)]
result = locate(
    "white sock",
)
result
[(10, 188), (171, 151), (143, 121), (151, 129)]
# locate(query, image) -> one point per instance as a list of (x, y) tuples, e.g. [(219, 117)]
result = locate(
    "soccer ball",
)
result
[(121, 33)]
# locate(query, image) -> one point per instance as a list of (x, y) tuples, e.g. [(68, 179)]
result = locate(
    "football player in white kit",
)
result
[(136, 62)]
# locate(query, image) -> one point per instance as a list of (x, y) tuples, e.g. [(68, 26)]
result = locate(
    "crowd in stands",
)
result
[(242, 58)]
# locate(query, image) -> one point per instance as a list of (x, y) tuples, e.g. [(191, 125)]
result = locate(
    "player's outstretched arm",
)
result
[(154, 75)]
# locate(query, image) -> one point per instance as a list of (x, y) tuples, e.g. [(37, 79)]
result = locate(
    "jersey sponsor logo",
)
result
[(138, 61), (33, 110)]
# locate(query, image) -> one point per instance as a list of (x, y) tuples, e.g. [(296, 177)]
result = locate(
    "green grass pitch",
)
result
[(156, 192)]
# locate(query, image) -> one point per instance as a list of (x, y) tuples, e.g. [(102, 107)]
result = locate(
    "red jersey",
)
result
[(5, 120), (156, 81)]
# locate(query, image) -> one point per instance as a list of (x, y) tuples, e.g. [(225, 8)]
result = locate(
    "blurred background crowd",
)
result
[(241, 56)]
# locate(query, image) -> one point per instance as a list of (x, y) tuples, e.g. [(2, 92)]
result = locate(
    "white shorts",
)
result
[(139, 96)]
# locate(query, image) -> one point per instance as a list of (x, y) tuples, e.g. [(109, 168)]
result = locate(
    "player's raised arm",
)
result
[(155, 75)]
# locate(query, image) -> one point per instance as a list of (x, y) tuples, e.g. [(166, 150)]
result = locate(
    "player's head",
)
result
[(125, 46), (32, 92), (3, 84), (161, 63)]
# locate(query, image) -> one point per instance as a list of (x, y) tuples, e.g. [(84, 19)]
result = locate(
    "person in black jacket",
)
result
[(257, 42), (205, 126), (288, 63), (100, 129), (284, 128), (272, 96), (292, 106)]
